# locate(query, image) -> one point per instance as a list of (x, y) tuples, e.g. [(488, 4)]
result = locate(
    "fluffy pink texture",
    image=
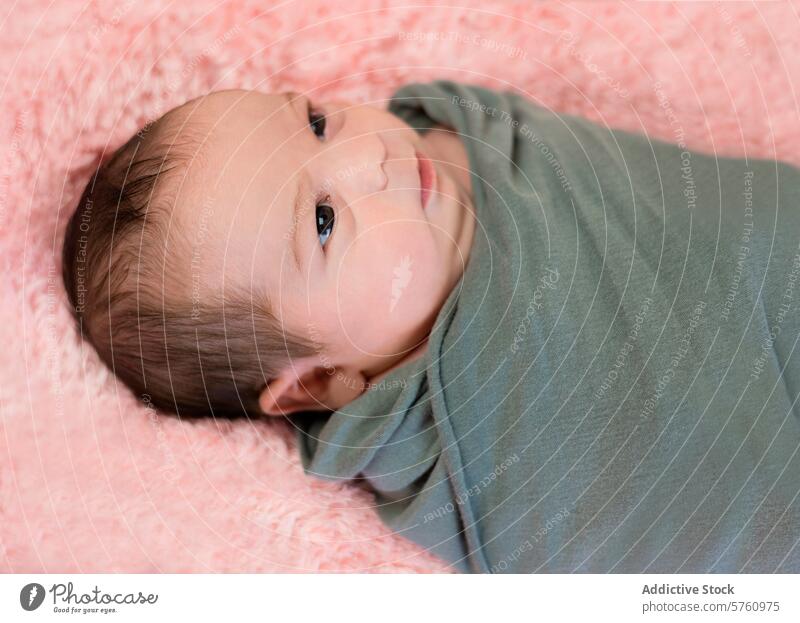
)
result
[(91, 481)]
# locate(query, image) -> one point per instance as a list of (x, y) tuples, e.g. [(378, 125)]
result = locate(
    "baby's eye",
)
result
[(325, 220), (316, 121)]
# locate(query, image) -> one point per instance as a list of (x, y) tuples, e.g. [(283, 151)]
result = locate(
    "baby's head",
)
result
[(253, 253)]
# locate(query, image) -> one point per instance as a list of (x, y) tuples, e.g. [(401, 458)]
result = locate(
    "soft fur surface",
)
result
[(90, 479)]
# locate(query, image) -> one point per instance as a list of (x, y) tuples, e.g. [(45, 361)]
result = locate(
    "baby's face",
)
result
[(320, 204)]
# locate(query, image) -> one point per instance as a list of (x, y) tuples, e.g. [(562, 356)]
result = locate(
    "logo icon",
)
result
[(31, 596), (402, 277)]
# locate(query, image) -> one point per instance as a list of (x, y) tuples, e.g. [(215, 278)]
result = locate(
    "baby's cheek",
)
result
[(385, 294)]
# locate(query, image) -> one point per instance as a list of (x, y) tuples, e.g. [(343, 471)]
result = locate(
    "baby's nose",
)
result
[(369, 175), (365, 171)]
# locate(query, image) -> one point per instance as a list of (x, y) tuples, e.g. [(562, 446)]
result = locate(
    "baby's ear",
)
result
[(286, 394), (315, 388)]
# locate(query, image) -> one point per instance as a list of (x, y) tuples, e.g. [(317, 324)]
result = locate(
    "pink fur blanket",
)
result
[(93, 481)]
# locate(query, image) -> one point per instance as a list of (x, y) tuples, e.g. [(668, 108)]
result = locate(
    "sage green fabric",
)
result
[(612, 385)]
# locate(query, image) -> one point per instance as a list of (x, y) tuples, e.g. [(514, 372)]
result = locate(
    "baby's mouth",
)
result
[(427, 178)]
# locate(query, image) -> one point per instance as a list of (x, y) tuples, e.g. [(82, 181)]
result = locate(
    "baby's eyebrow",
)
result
[(299, 203), (302, 190), (301, 198)]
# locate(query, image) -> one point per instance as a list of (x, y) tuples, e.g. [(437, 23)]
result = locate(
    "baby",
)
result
[(255, 253), (544, 344)]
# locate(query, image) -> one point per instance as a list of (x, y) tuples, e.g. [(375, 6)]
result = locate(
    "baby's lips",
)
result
[(427, 178)]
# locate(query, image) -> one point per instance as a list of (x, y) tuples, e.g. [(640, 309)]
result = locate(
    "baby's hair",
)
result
[(128, 291)]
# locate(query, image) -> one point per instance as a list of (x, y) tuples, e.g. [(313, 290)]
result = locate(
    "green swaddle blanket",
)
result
[(612, 385)]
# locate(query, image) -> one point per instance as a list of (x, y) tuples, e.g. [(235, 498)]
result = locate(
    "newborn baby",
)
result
[(543, 344), (253, 252)]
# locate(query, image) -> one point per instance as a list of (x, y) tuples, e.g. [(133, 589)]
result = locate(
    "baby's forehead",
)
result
[(222, 110), (240, 180), (230, 130), (235, 138)]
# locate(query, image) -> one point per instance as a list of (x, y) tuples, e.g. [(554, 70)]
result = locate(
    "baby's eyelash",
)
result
[(327, 222), (316, 121)]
